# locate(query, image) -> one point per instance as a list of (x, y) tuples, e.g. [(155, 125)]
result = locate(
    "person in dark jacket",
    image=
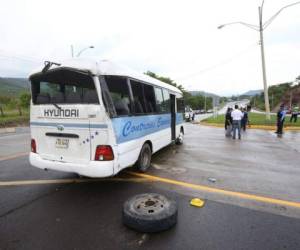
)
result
[(295, 112), (244, 120), (228, 118), (228, 122), (280, 119)]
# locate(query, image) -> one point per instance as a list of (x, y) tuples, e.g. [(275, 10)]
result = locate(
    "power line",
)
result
[(226, 61), (21, 58)]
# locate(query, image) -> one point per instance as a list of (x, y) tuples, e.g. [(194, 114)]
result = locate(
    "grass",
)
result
[(12, 118), (255, 119)]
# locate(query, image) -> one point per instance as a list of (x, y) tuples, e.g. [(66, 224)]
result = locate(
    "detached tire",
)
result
[(144, 161), (149, 213)]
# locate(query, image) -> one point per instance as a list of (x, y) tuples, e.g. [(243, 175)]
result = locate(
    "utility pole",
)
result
[(205, 102), (291, 98), (260, 28), (263, 63), (272, 101), (72, 51)]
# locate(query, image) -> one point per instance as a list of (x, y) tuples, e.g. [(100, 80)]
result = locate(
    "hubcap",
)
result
[(149, 204)]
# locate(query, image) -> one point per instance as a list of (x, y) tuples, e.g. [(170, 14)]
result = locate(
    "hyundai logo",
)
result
[(60, 127)]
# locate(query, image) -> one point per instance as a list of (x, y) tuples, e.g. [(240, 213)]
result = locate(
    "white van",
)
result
[(96, 118)]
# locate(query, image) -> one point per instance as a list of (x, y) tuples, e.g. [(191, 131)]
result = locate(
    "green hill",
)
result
[(284, 93), (13, 86), (253, 92)]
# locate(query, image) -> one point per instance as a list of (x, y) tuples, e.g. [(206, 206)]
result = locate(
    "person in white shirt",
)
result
[(237, 116)]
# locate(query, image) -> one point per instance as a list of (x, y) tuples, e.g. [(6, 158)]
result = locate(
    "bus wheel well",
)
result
[(150, 144)]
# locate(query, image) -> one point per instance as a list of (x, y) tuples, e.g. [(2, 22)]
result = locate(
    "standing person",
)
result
[(228, 119), (228, 122), (295, 112), (237, 116), (280, 119), (244, 120)]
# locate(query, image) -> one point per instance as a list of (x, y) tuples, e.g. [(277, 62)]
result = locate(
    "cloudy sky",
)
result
[(173, 38)]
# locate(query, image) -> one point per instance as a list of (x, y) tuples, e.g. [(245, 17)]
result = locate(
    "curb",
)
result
[(7, 130), (263, 127)]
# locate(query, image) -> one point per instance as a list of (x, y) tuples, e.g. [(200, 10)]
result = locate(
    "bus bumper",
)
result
[(92, 169)]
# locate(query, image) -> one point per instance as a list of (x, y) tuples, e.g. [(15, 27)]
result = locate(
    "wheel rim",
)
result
[(149, 205)]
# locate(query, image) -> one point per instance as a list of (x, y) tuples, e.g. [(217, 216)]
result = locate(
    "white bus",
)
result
[(96, 118)]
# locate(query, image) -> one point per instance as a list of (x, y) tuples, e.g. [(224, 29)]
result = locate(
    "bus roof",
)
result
[(106, 67)]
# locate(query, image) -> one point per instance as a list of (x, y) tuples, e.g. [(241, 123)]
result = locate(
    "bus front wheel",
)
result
[(144, 161)]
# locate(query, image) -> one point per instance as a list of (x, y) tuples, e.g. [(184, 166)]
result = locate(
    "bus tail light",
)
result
[(104, 153), (33, 146)]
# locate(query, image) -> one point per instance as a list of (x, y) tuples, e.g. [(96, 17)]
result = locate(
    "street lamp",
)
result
[(90, 47), (78, 54), (262, 26)]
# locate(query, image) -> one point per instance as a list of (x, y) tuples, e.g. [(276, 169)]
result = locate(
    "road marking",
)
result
[(147, 178), (219, 191), (10, 157), (66, 181)]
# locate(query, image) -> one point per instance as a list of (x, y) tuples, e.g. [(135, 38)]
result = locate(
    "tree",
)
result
[(24, 99), (276, 93), (195, 102), (1, 109), (166, 80), (298, 79), (12, 104), (5, 99)]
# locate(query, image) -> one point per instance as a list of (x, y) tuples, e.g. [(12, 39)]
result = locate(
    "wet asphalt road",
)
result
[(88, 215), (260, 164)]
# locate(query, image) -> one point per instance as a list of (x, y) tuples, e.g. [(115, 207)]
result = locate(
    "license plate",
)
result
[(62, 143)]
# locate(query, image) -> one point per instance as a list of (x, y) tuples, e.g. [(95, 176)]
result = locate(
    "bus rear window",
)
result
[(63, 87)]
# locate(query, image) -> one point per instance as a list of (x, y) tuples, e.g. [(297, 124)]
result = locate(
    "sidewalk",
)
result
[(13, 130)]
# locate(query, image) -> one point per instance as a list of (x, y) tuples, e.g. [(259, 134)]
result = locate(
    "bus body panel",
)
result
[(91, 169), (92, 128), (47, 122), (129, 151), (90, 125), (130, 141)]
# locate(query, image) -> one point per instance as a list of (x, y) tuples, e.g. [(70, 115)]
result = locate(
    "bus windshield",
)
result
[(63, 87)]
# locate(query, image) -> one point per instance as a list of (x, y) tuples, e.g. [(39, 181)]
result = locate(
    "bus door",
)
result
[(173, 117)]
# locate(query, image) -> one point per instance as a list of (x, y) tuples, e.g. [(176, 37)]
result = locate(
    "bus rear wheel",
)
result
[(179, 140), (144, 161)]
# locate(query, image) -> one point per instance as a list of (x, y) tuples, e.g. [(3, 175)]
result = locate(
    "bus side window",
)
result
[(159, 100), (119, 93), (167, 103), (180, 105), (149, 98), (138, 97)]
